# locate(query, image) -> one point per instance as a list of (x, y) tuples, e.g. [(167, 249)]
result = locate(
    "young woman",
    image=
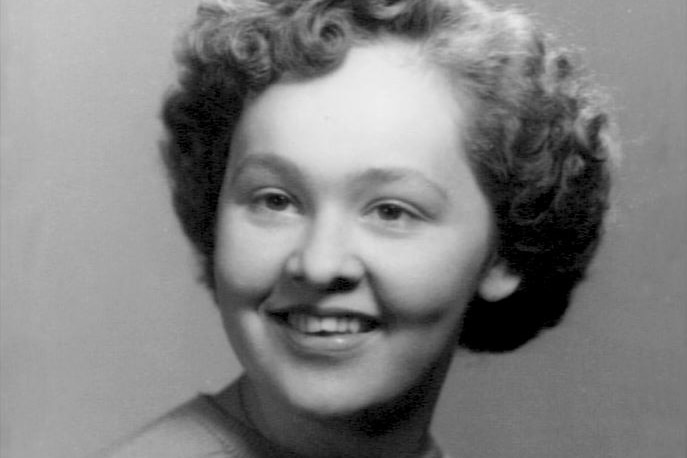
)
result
[(372, 185)]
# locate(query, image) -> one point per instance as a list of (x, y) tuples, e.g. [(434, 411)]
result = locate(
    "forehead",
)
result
[(385, 103)]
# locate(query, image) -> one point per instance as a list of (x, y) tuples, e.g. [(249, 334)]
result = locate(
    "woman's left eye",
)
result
[(390, 212), (394, 215)]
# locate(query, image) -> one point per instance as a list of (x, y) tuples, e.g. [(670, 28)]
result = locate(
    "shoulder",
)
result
[(198, 428), (190, 430), (204, 427)]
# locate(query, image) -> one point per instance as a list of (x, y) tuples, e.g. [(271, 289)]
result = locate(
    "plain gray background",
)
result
[(104, 326)]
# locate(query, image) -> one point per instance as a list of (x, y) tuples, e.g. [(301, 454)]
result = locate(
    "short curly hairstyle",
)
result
[(539, 143)]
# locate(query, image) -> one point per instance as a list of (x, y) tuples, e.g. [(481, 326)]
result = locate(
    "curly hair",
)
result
[(539, 143)]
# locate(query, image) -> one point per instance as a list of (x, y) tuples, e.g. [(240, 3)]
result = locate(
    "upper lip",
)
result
[(321, 311)]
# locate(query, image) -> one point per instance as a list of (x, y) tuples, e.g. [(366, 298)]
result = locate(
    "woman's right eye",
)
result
[(273, 201)]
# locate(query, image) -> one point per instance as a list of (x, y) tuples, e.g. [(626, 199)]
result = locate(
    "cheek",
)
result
[(247, 263), (431, 283)]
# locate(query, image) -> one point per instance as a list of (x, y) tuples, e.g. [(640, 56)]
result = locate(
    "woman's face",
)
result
[(351, 233)]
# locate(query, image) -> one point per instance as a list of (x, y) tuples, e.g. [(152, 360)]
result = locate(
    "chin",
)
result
[(336, 397), (332, 397)]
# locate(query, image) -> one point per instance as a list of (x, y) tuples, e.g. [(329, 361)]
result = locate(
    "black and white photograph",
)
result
[(343, 228)]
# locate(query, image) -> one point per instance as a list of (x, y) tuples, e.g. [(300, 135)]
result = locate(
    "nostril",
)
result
[(341, 284)]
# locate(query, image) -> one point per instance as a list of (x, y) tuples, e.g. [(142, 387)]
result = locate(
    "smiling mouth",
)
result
[(327, 325)]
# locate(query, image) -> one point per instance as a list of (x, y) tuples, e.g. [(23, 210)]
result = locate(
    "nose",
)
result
[(325, 259)]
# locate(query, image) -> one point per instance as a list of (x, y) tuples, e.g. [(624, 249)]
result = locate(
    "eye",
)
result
[(274, 201), (277, 202), (390, 212), (394, 215)]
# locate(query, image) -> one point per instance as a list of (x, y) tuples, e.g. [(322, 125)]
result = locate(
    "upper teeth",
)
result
[(314, 324)]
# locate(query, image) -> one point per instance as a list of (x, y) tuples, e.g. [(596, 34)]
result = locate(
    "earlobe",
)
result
[(498, 283)]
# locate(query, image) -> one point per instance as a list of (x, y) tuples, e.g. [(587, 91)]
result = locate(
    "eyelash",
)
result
[(264, 201), (402, 215), (395, 209)]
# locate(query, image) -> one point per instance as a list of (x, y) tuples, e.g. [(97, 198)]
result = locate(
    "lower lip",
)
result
[(337, 345)]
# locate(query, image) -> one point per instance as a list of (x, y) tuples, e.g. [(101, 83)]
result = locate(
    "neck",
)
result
[(397, 428)]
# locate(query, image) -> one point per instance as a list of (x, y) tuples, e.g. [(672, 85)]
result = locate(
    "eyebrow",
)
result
[(359, 179), (389, 175), (267, 161)]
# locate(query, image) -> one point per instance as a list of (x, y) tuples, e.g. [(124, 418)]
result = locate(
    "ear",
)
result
[(498, 282)]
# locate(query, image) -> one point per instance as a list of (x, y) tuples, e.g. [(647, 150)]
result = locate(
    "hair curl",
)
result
[(539, 143)]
